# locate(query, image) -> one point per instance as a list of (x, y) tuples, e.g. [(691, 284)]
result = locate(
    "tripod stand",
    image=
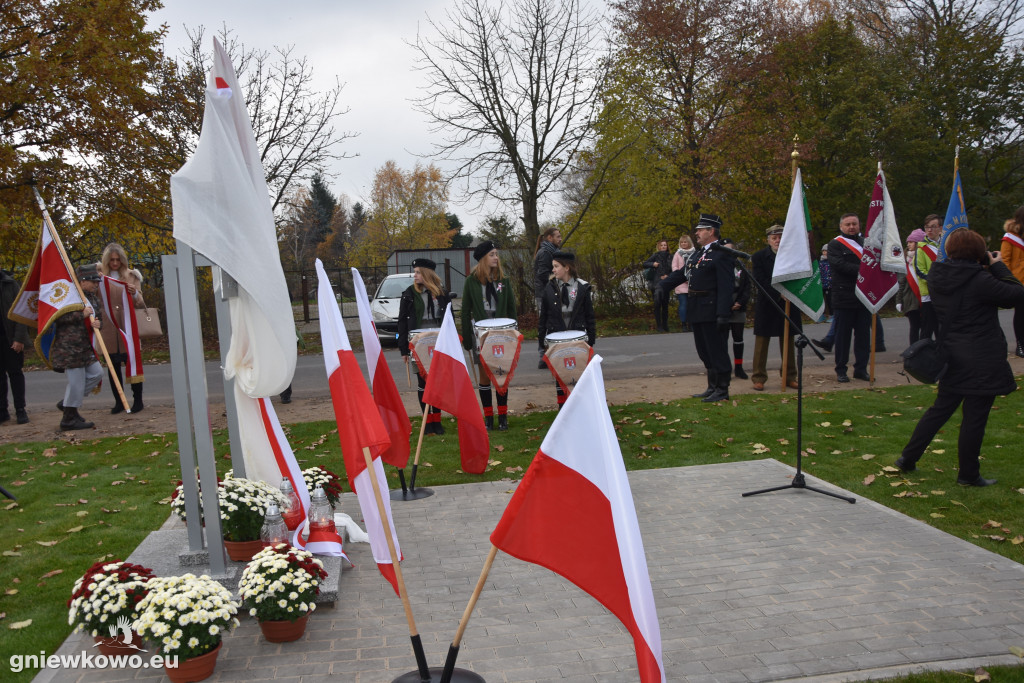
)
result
[(801, 342)]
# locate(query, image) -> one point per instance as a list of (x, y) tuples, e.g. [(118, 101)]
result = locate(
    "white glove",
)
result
[(899, 308)]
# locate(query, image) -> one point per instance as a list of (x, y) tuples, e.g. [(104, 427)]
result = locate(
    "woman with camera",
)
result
[(967, 291)]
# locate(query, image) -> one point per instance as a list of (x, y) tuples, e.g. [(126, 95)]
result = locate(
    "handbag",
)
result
[(924, 360), (148, 321)]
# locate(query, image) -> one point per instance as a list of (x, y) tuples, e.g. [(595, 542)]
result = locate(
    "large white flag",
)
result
[(222, 210)]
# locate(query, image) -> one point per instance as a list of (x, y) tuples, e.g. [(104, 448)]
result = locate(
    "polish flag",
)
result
[(359, 425), (385, 393), (573, 513), (450, 388)]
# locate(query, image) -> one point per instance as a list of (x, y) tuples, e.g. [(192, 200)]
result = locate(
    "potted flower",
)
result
[(243, 504), (186, 616), (279, 587), (105, 603), (328, 481)]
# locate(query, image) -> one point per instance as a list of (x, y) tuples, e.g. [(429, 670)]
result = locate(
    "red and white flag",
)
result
[(450, 388), (46, 294), (882, 258), (359, 425), (385, 392), (573, 513), (113, 293)]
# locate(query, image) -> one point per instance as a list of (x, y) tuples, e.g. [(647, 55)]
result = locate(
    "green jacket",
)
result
[(473, 306), (923, 264)]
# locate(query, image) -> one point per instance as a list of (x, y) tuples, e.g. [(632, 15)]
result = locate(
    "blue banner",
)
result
[(956, 215)]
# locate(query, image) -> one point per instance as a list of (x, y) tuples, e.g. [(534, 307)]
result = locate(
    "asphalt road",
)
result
[(667, 355)]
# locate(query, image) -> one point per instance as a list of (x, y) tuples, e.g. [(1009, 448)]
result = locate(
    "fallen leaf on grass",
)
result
[(957, 502), (869, 479), (980, 675), (991, 524), (1019, 651), (11, 553), (11, 506), (938, 493), (890, 468), (81, 513), (18, 483), (18, 625), (937, 515), (11, 591), (47, 544), (1017, 540), (75, 530), (51, 574), (514, 469), (996, 538), (868, 456), (499, 448)]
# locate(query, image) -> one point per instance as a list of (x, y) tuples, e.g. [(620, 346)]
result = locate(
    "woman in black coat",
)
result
[(422, 306), (567, 304), (967, 290), (740, 299)]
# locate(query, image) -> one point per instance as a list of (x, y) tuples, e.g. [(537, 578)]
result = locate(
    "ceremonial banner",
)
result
[(450, 388), (222, 210), (882, 256), (573, 513), (359, 425), (796, 275), (956, 213), (46, 294), (385, 393)]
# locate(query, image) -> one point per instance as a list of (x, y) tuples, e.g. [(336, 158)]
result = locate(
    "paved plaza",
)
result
[(780, 586)]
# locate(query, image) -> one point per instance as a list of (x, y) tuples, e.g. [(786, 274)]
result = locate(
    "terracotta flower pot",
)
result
[(242, 551), (115, 646), (195, 669), (284, 631)]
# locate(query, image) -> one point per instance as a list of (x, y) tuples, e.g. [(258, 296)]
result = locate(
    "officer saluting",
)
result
[(710, 274)]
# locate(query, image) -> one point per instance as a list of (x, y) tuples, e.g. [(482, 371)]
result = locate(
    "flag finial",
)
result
[(795, 153), (879, 166)]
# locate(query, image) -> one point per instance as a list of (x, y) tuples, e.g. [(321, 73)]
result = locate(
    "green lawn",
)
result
[(79, 501)]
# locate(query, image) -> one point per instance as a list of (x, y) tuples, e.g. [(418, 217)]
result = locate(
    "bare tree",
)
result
[(514, 87)]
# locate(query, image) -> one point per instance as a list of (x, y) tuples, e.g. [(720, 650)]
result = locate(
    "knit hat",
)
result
[(917, 236)]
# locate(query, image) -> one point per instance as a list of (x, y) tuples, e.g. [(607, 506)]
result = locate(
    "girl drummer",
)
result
[(421, 307), (487, 294), (566, 305)]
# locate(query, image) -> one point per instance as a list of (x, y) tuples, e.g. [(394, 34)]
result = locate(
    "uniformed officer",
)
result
[(710, 275)]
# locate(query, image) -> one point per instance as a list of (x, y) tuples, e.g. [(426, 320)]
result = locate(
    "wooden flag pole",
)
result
[(419, 447), (453, 650), (417, 644), (874, 331), (78, 286), (795, 156), (408, 376)]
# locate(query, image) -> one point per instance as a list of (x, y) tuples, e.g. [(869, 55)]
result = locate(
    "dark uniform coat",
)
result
[(582, 317), (845, 266), (768, 321), (410, 314), (71, 347)]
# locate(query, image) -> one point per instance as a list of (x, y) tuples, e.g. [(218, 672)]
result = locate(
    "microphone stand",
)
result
[(801, 342)]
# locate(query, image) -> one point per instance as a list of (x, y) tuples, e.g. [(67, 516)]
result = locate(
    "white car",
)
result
[(384, 305)]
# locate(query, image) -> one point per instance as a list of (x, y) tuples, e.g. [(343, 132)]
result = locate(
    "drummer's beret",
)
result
[(423, 263), (483, 249), (564, 256)]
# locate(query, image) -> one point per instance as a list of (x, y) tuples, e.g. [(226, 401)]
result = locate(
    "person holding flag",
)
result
[(422, 306), (114, 265), (71, 351), (927, 252)]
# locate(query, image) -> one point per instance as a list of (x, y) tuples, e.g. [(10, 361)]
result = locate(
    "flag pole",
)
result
[(453, 649), (408, 376), (874, 329), (78, 286), (795, 156), (419, 446), (417, 644)]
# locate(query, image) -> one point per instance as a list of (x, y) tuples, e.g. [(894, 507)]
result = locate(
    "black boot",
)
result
[(489, 422), (72, 420), (740, 372), (711, 387), (503, 423), (137, 404), (22, 416), (721, 392), (5, 415)]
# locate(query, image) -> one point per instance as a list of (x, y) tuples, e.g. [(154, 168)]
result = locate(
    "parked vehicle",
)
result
[(384, 305)]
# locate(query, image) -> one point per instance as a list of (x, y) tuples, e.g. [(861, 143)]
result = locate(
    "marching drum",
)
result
[(567, 356), (498, 341), (421, 345)]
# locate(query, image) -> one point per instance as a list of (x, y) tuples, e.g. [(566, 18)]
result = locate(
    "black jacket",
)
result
[(542, 266), (582, 312), (740, 289), (845, 266), (9, 288), (768, 321), (974, 343), (410, 315), (661, 261), (712, 280)]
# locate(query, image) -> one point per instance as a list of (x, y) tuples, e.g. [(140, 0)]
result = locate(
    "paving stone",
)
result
[(778, 586)]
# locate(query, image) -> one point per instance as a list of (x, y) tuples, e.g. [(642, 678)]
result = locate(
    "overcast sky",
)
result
[(364, 45)]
